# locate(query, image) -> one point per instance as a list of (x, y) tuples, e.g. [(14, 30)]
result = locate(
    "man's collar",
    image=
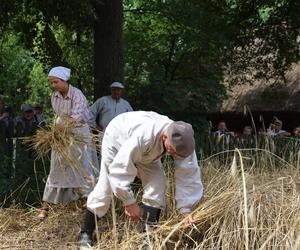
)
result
[(115, 99)]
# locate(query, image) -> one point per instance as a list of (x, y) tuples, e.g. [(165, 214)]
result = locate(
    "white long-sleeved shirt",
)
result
[(137, 138), (105, 109)]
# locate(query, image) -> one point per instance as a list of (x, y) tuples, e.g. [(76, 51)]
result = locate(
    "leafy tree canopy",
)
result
[(176, 52)]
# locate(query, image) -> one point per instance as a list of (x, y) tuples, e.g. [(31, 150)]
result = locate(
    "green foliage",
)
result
[(16, 64), (172, 57), (45, 46), (22, 78), (22, 178), (77, 15), (7, 10), (56, 37), (266, 12), (264, 42), (78, 53), (176, 52), (39, 89)]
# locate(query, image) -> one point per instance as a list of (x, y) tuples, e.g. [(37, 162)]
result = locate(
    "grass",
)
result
[(244, 207)]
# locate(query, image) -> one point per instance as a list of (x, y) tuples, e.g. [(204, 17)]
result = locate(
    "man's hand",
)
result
[(188, 221), (133, 211), (231, 134)]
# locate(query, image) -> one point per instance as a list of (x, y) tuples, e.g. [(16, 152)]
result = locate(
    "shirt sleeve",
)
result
[(79, 108), (95, 110), (122, 171), (189, 188)]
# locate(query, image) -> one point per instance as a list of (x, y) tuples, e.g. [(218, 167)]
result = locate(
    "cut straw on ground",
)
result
[(244, 207)]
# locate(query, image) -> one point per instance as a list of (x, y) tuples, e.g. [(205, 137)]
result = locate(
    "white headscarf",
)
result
[(60, 72)]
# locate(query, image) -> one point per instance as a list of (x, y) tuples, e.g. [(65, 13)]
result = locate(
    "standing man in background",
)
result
[(108, 107)]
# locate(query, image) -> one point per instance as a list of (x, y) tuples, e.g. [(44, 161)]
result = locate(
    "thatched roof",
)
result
[(267, 96)]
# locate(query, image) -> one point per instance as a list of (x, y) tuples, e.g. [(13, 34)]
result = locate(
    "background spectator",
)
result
[(296, 131), (246, 139), (247, 131), (38, 113), (6, 129), (275, 129), (26, 124), (223, 131), (108, 107)]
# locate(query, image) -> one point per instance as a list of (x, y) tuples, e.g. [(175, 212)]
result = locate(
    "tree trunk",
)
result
[(108, 46)]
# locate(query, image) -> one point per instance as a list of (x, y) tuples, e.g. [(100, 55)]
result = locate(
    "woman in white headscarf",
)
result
[(65, 182)]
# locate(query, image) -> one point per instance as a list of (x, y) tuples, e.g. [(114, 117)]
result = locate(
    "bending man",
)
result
[(132, 145)]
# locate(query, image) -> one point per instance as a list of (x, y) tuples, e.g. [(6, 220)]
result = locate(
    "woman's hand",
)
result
[(133, 211)]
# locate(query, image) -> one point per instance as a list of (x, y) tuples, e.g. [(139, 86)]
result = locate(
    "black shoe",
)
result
[(149, 218), (85, 241)]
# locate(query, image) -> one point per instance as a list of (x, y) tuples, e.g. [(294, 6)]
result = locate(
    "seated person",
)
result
[(246, 138), (223, 131), (275, 129), (247, 131), (296, 132)]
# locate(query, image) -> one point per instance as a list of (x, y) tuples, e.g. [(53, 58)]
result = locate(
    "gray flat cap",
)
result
[(181, 137), (117, 85), (27, 107)]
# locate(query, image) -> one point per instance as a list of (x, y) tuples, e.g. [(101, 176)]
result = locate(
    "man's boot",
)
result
[(87, 230), (149, 218), (148, 222)]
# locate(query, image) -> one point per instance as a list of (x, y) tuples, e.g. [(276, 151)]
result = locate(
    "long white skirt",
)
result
[(65, 182)]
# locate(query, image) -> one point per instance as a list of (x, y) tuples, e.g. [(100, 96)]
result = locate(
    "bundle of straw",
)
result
[(62, 138)]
